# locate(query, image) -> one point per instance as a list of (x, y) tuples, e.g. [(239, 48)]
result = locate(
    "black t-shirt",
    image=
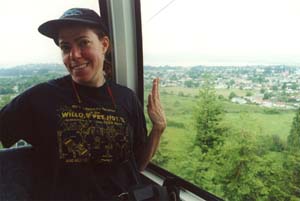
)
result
[(85, 139)]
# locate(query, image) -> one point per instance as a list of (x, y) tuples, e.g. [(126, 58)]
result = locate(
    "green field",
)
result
[(195, 91), (180, 111)]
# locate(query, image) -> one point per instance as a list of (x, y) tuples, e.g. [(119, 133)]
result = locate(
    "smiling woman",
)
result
[(33, 49), (88, 132)]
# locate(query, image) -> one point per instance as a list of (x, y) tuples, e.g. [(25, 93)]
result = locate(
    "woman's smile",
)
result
[(79, 67)]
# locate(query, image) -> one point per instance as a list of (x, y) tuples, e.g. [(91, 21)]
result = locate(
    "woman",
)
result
[(89, 133)]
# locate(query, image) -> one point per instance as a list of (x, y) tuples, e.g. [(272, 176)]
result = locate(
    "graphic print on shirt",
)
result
[(85, 134)]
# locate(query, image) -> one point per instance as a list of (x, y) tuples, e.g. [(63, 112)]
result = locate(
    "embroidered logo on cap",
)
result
[(72, 12)]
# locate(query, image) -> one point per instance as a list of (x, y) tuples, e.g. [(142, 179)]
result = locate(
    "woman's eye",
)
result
[(65, 48), (84, 43)]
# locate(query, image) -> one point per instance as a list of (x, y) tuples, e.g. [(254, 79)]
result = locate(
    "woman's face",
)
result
[(83, 54)]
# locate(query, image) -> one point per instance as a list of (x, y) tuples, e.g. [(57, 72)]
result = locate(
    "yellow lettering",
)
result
[(81, 115), (88, 115), (65, 114)]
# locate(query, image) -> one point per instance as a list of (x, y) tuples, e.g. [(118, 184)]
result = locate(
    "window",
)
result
[(230, 88), (27, 56)]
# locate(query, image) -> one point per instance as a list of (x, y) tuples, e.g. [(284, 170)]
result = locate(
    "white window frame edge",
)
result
[(122, 24)]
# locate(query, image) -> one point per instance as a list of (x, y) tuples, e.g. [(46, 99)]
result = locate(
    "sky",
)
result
[(21, 43), (175, 32), (221, 32)]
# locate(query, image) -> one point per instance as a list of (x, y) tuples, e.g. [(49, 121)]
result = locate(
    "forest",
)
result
[(237, 152)]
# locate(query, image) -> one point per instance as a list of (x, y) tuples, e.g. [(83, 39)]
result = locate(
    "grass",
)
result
[(195, 91), (263, 124), (177, 139), (180, 111), (177, 90)]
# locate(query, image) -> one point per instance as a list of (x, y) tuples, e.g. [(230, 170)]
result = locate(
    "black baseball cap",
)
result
[(83, 16)]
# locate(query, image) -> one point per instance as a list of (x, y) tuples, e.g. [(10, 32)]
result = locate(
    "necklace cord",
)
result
[(107, 88), (111, 95), (76, 92)]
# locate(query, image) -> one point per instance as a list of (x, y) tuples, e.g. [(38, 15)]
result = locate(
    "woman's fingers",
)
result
[(154, 107)]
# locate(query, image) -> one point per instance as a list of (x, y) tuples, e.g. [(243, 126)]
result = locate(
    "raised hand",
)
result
[(154, 108)]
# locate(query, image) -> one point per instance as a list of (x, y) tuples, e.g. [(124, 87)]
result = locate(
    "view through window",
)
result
[(230, 86), (27, 57)]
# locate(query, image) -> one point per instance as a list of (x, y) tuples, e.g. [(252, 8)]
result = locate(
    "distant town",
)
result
[(275, 86)]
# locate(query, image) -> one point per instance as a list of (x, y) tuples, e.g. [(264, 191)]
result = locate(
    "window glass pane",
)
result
[(230, 74), (27, 57)]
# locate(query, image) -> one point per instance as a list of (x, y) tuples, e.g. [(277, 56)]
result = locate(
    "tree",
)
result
[(291, 167), (230, 84), (284, 86), (6, 90), (161, 157), (237, 175), (294, 136), (4, 100), (249, 93), (267, 95), (232, 95), (292, 163), (294, 86), (173, 77), (275, 88), (209, 114), (262, 90), (242, 172), (188, 83)]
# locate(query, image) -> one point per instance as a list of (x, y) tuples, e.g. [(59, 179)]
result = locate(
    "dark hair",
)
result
[(100, 33), (107, 65)]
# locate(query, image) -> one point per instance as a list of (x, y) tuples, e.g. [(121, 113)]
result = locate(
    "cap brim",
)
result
[(52, 27)]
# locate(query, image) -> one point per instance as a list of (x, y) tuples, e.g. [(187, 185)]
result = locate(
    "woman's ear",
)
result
[(105, 43)]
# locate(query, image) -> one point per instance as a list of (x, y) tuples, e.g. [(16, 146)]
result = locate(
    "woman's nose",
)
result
[(75, 53)]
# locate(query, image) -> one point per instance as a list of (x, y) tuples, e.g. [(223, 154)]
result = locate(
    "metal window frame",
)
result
[(126, 34), (188, 191)]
